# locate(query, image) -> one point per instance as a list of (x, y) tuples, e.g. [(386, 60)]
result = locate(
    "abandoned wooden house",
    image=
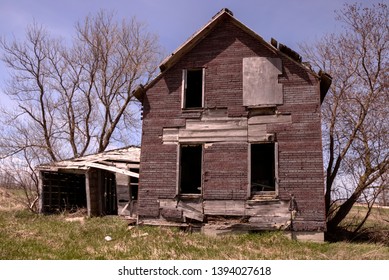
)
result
[(105, 183), (231, 141), (232, 135)]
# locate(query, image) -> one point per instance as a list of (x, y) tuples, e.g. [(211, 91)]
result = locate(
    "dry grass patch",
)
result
[(11, 199), (24, 235)]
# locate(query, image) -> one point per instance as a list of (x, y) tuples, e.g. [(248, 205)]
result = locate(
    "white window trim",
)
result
[(184, 86)]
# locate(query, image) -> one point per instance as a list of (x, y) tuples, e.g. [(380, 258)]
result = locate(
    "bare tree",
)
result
[(383, 198), (355, 111), (19, 174), (73, 98)]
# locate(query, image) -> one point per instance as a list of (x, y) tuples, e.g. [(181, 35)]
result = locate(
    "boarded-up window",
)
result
[(260, 81), (193, 88), (263, 167), (191, 169)]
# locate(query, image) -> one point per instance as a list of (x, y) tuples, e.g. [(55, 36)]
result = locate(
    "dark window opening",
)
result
[(262, 167), (194, 89), (109, 193), (63, 192), (134, 183), (190, 173)]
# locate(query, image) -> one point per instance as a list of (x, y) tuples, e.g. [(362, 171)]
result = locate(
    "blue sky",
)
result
[(289, 21)]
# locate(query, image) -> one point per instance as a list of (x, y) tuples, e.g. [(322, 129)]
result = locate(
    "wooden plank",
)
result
[(224, 207), (88, 194), (212, 129), (257, 133), (224, 124), (123, 158), (112, 169), (193, 215), (212, 133), (161, 222), (192, 206), (268, 119), (284, 219), (170, 135), (257, 129), (273, 209), (225, 133), (190, 212), (213, 139), (167, 203), (215, 114)]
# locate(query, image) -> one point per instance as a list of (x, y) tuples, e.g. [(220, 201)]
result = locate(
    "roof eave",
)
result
[(189, 44), (194, 39), (325, 84)]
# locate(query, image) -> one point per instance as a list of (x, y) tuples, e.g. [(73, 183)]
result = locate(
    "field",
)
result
[(24, 235)]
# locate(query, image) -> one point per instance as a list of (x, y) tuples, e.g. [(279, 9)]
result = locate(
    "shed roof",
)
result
[(105, 160)]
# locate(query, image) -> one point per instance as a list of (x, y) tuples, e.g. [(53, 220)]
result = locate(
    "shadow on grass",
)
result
[(378, 236)]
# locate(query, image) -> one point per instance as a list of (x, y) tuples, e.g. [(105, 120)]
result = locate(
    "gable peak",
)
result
[(222, 11)]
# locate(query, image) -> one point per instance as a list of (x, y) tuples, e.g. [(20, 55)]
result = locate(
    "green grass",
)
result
[(24, 235), (379, 217)]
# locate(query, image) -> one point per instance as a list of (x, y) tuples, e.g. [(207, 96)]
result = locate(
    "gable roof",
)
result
[(203, 32), (225, 13)]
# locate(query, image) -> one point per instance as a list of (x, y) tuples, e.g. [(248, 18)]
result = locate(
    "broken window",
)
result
[(193, 88), (263, 167), (190, 169)]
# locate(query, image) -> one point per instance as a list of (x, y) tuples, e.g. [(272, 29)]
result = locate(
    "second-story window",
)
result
[(193, 88)]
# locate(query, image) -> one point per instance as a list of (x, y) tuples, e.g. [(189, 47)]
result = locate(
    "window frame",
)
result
[(185, 85), (273, 193), (179, 173), (134, 185)]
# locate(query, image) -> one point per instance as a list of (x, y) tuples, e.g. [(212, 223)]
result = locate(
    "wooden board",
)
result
[(269, 119), (224, 207)]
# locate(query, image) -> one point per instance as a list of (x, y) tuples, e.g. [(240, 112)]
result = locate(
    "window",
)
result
[(190, 169), (193, 88), (134, 183), (263, 167)]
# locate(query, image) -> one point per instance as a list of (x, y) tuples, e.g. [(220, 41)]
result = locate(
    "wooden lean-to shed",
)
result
[(104, 184), (231, 135)]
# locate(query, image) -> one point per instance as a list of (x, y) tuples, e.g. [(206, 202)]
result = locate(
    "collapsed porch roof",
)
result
[(108, 160)]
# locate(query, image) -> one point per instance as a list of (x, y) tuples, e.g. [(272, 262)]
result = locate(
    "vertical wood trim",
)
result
[(88, 196), (100, 192), (178, 172), (202, 168), (203, 90), (249, 171), (183, 86), (40, 190), (276, 167)]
